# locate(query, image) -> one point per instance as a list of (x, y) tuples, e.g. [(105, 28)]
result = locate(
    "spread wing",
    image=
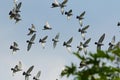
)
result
[(56, 2), (57, 36), (86, 27), (64, 2), (48, 25), (101, 38), (19, 65), (33, 27), (15, 44), (86, 42), (38, 74), (33, 37), (29, 46), (45, 38), (70, 40), (30, 69), (82, 14), (70, 11)]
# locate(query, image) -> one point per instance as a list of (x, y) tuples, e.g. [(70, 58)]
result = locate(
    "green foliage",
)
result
[(102, 65)]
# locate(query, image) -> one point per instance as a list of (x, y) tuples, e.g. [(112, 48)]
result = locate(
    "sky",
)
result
[(101, 15)]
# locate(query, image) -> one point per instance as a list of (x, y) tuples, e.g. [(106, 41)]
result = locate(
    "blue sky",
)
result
[(102, 16)]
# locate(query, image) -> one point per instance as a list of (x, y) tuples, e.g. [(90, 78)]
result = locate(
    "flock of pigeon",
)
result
[(27, 73), (14, 14)]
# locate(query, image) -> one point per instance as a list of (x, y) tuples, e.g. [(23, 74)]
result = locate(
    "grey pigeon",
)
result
[(83, 46), (31, 30), (14, 47), (37, 76), (27, 73), (83, 31), (80, 18), (43, 41), (62, 5), (30, 42), (55, 40), (47, 26), (68, 44), (69, 14), (17, 68), (99, 43), (112, 43)]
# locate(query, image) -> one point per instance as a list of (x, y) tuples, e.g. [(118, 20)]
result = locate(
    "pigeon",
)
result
[(83, 31), (69, 14), (30, 42), (17, 68), (62, 5), (82, 64), (80, 18), (68, 44), (31, 30), (47, 26), (55, 4), (99, 43), (55, 40), (42, 41), (112, 43), (118, 24), (37, 76), (27, 73), (83, 46), (14, 47)]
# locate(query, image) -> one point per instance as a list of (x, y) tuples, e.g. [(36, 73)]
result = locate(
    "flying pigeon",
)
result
[(43, 41), (55, 40), (37, 76), (69, 14), (31, 30), (14, 47), (68, 44), (80, 18), (47, 26), (83, 46), (83, 31), (30, 42), (99, 43), (112, 43), (27, 73), (62, 5), (17, 68)]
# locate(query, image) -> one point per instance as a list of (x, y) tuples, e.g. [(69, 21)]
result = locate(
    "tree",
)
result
[(102, 65)]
